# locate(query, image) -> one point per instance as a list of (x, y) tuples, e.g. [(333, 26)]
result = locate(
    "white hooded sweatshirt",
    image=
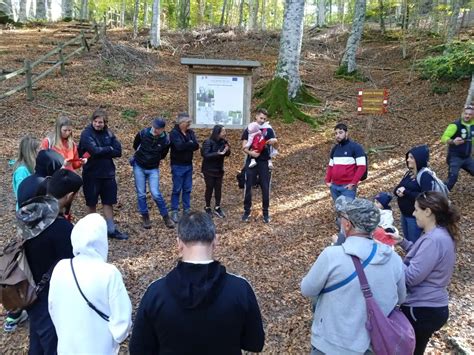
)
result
[(80, 329)]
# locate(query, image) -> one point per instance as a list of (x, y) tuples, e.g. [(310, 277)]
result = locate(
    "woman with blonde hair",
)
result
[(24, 165), (62, 142)]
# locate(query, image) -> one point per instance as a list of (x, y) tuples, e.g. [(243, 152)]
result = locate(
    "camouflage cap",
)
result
[(35, 215), (361, 212)]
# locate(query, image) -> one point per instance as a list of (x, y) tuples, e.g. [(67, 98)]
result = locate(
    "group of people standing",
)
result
[(198, 306), (418, 283)]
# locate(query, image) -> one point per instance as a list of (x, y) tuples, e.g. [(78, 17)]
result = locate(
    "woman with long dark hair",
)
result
[(213, 152), (430, 264)]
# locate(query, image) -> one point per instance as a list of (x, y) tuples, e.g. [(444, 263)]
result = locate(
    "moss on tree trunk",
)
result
[(276, 101)]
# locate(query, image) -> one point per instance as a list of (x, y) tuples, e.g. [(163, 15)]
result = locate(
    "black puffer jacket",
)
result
[(150, 149), (212, 162)]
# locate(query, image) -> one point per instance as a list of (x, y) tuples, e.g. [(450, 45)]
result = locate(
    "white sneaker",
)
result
[(253, 163), (270, 164)]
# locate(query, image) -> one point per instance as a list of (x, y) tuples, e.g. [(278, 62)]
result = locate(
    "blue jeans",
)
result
[(341, 190), (410, 229), (153, 176), (43, 338), (455, 164), (182, 176)]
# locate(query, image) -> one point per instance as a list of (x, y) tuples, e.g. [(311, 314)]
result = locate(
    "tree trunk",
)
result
[(253, 14), (135, 18), (22, 14), (470, 93), (288, 66), (155, 39), (349, 58), (321, 13), (201, 9), (241, 13), (263, 24), (224, 6), (40, 9), (382, 17), (228, 13), (275, 13), (340, 11), (404, 29), (122, 14), (184, 13), (145, 13), (453, 27)]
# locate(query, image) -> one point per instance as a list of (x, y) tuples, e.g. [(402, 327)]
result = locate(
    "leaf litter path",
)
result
[(272, 257)]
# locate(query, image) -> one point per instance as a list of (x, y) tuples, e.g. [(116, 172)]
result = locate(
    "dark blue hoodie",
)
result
[(412, 188), (47, 163), (198, 309)]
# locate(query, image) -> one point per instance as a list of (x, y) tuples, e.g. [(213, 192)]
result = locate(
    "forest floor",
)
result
[(273, 257)]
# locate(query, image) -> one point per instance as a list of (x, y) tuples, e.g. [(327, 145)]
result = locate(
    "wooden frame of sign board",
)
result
[(232, 75)]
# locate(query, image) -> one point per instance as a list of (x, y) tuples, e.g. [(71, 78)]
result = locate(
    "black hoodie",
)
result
[(198, 309), (412, 188), (47, 163)]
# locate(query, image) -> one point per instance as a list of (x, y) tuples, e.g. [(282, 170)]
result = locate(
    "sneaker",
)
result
[(219, 213), (11, 323), (168, 222), (266, 219), (146, 221), (253, 162), (246, 217), (174, 216), (118, 235), (270, 164), (208, 210)]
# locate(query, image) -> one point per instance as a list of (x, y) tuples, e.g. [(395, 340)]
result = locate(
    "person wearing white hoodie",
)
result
[(340, 310), (80, 329)]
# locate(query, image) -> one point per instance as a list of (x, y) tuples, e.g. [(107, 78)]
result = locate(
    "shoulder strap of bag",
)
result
[(101, 314), (364, 284), (353, 275)]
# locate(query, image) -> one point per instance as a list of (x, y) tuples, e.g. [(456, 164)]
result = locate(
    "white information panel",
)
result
[(219, 100)]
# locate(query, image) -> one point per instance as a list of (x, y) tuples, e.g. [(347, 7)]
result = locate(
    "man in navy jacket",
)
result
[(183, 144), (198, 308), (98, 173)]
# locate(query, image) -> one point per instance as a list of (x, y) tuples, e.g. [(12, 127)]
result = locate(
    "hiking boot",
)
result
[(11, 323), (116, 234), (246, 217), (146, 221), (174, 216), (218, 212), (208, 210), (266, 218), (188, 211), (168, 222)]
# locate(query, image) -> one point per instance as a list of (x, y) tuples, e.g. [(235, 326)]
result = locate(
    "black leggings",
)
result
[(425, 321), (213, 183)]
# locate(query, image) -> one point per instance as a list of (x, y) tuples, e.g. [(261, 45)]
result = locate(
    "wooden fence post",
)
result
[(61, 58), (29, 84)]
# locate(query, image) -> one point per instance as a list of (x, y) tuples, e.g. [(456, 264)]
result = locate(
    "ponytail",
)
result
[(446, 214)]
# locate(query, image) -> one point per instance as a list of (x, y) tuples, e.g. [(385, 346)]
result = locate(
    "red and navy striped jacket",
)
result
[(347, 163)]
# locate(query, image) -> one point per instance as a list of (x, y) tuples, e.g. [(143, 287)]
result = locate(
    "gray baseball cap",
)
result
[(361, 212)]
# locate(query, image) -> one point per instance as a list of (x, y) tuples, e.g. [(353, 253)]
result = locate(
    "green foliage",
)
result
[(440, 89), (455, 63), (103, 85), (276, 101), (341, 73), (129, 114)]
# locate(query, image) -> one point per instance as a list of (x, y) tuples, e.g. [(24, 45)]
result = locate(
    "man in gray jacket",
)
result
[(340, 310)]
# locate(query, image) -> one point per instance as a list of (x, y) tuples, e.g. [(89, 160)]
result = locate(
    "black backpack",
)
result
[(366, 173)]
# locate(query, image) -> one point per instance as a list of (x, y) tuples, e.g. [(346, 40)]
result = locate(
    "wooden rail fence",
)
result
[(31, 78)]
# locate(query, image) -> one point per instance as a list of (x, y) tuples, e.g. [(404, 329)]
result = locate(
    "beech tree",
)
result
[(349, 58), (281, 93), (155, 40), (470, 93)]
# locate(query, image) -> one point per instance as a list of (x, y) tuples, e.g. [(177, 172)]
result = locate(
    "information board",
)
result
[(219, 99)]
